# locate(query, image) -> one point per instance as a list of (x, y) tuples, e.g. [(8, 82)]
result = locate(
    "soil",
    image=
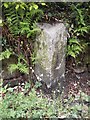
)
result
[(77, 81)]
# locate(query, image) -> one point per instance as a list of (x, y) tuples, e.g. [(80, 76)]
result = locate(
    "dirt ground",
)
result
[(76, 81)]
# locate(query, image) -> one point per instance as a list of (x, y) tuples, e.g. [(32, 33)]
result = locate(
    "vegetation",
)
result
[(37, 105), (19, 20), (19, 29), (79, 29)]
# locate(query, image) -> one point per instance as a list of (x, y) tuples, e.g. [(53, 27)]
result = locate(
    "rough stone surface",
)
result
[(6, 74), (50, 53)]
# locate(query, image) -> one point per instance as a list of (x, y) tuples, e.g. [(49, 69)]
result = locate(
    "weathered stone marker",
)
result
[(50, 54)]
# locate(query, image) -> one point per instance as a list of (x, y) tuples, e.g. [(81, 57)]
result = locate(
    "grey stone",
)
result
[(50, 52)]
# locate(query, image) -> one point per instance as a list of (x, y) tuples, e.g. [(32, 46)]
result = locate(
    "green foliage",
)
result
[(21, 17), (74, 48), (37, 105), (31, 106), (38, 84), (78, 30), (5, 54), (22, 67), (19, 66)]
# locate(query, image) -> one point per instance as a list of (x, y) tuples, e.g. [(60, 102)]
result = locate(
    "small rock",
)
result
[(80, 70)]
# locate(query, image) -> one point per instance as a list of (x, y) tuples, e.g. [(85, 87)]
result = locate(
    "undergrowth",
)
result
[(15, 104)]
